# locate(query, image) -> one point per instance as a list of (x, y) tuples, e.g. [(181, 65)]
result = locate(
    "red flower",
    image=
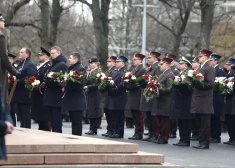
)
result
[(195, 72)]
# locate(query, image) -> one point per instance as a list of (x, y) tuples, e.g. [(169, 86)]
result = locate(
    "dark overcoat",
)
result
[(27, 68), (104, 94), (5, 67), (53, 92), (217, 97), (134, 93), (162, 105), (38, 111), (118, 97), (202, 98), (229, 102), (154, 70), (93, 96), (181, 102), (74, 98)]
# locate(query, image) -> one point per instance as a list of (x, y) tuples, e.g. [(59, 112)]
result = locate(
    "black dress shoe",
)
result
[(116, 136), (194, 138), (106, 134), (213, 140), (161, 141), (91, 133), (135, 137), (200, 146), (172, 135), (183, 144), (153, 139), (176, 144), (229, 142), (146, 139)]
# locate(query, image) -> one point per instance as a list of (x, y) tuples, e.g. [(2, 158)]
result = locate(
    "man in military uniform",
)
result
[(133, 98), (217, 102), (118, 97), (174, 69), (152, 120), (105, 99), (202, 99), (39, 113)]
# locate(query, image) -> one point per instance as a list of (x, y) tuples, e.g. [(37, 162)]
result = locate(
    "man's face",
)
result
[(110, 63), (42, 58), (213, 62), (163, 66), (23, 55), (93, 65), (151, 60), (2, 25), (183, 67), (229, 67), (202, 59), (54, 54), (195, 65), (119, 64), (136, 61), (72, 60)]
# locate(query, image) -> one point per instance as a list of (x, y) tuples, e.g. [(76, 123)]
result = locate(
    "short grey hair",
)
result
[(57, 48)]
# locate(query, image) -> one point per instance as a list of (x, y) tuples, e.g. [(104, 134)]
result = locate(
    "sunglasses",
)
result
[(117, 61), (149, 57), (110, 61)]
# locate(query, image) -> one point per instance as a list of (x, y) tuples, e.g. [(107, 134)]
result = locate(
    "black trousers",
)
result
[(185, 128), (215, 127), (154, 126), (44, 125), (204, 132), (148, 120), (230, 123), (164, 125), (109, 119), (94, 124), (173, 126), (13, 112), (76, 120), (24, 113), (138, 120), (55, 119), (195, 128), (129, 121), (119, 118)]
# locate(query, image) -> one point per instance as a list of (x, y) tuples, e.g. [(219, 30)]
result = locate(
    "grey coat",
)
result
[(5, 67), (162, 105), (202, 99), (154, 70)]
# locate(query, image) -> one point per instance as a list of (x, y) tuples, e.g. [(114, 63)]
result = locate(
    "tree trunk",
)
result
[(207, 13), (101, 28)]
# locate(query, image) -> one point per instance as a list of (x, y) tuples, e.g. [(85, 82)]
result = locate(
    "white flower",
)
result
[(183, 77), (71, 73), (126, 80), (36, 82), (49, 75), (109, 78), (112, 82), (177, 79), (102, 77), (190, 73), (133, 77)]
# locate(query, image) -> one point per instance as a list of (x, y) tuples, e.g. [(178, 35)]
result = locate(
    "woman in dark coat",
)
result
[(74, 99), (93, 97)]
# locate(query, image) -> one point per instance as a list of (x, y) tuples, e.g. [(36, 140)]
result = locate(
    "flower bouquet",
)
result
[(218, 85), (180, 81), (128, 78), (227, 86), (195, 77), (74, 76), (151, 90), (107, 84), (32, 84), (143, 80), (11, 79), (99, 77), (56, 77)]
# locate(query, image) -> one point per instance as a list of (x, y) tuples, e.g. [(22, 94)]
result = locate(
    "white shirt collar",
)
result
[(204, 63)]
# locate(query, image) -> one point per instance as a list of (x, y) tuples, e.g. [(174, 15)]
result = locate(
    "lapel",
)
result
[(203, 69), (137, 69)]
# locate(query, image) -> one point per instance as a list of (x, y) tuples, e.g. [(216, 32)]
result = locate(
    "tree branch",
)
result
[(23, 24), (84, 2)]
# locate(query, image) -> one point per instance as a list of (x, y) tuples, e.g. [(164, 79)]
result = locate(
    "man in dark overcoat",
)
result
[(93, 97), (118, 97), (105, 98), (162, 104), (152, 120), (22, 97), (39, 113), (174, 69), (202, 99), (230, 105), (218, 100), (181, 101), (74, 100), (133, 98), (52, 98)]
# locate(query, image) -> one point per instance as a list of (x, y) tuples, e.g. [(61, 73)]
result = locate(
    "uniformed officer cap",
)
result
[(122, 58), (11, 55), (185, 61), (93, 60), (171, 56), (215, 57), (44, 52), (231, 61)]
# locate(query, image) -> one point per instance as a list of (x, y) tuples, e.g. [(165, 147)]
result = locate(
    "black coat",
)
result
[(27, 69), (229, 99), (104, 94), (134, 93), (118, 97), (93, 97), (218, 99), (53, 92), (74, 98), (181, 102), (38, 112), (154, 70)]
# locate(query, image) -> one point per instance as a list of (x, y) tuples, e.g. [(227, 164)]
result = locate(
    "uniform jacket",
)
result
[(134, 93), (229, 99), (93, 96), (38, 112), (53, 92), (104, 94), (218, 99), (181, 102), (118, 97), (175, 71), (162, 105), (154, 70), (5, 67), (75, 98), (27, 68), (202, 99)]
